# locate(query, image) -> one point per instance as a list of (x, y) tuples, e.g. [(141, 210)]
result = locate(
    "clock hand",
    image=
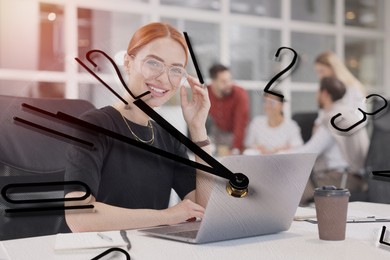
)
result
[(84, 125), (50, 132), (238, 183)]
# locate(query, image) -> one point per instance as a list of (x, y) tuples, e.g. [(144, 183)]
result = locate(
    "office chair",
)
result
[(305, 121), (29, 156), (378, 156)]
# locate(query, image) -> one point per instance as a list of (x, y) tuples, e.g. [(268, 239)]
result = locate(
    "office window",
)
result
[(364, 13), (320, 11), (51, 38), (205, 42), (308, 46), (37, 40), (302, 101), (271, 8), (251, 52), (31, 42), (255, 101), (16, 88), (364, 58), (197, 4), (106, 31), (24, 88)]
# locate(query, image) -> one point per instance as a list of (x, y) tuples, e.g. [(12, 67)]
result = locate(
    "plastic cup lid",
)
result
[(331, 191)]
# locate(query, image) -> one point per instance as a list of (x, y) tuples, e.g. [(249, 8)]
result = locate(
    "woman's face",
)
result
[(323, 71), (163, 54), (272, 105)]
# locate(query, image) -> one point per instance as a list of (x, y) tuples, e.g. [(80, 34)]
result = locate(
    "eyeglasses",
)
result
[(152, 68)]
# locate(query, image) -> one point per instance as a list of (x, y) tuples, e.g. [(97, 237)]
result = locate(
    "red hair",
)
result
[(152, 31)]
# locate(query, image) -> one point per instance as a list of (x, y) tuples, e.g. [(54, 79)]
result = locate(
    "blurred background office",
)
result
[(39, 40)]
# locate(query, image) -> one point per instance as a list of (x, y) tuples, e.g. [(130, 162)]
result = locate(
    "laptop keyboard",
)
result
[(187, 234)]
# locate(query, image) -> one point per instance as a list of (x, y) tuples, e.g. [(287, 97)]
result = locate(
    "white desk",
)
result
[(299, 242)]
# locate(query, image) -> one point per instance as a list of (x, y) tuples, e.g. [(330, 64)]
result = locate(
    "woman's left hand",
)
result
[(196, 110)]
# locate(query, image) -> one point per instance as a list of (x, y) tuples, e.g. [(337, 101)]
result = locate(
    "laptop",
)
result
[(276, 185)]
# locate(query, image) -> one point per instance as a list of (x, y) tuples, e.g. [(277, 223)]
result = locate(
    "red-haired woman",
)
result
[(131, 187)]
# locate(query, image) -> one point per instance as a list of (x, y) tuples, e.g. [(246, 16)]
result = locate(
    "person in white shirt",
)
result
[(272, 133), (344, 153)]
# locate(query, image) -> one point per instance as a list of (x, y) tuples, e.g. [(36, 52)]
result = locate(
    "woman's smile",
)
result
[(156, 90)]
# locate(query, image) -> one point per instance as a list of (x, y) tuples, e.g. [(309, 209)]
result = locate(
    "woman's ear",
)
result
[(127, 63)]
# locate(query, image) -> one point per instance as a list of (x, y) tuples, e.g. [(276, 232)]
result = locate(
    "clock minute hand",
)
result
[(238, 182), (82, 125)]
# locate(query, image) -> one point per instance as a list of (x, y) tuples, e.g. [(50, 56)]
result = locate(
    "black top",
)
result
[(123, 175)]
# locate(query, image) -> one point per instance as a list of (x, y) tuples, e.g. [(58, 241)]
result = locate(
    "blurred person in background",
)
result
[(272, 132), (327, 64), (343, 154), (229, 112)]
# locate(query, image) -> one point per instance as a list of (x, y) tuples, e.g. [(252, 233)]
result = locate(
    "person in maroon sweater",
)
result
[(229, 112)]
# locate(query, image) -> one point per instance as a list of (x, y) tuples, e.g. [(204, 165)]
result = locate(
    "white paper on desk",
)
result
[(87, 240), (304, 213), (3, 253)]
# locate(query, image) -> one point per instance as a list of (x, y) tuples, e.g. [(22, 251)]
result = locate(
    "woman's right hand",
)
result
[(182, 212)]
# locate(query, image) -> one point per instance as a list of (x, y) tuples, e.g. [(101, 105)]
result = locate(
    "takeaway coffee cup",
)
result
[(331, 209)]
